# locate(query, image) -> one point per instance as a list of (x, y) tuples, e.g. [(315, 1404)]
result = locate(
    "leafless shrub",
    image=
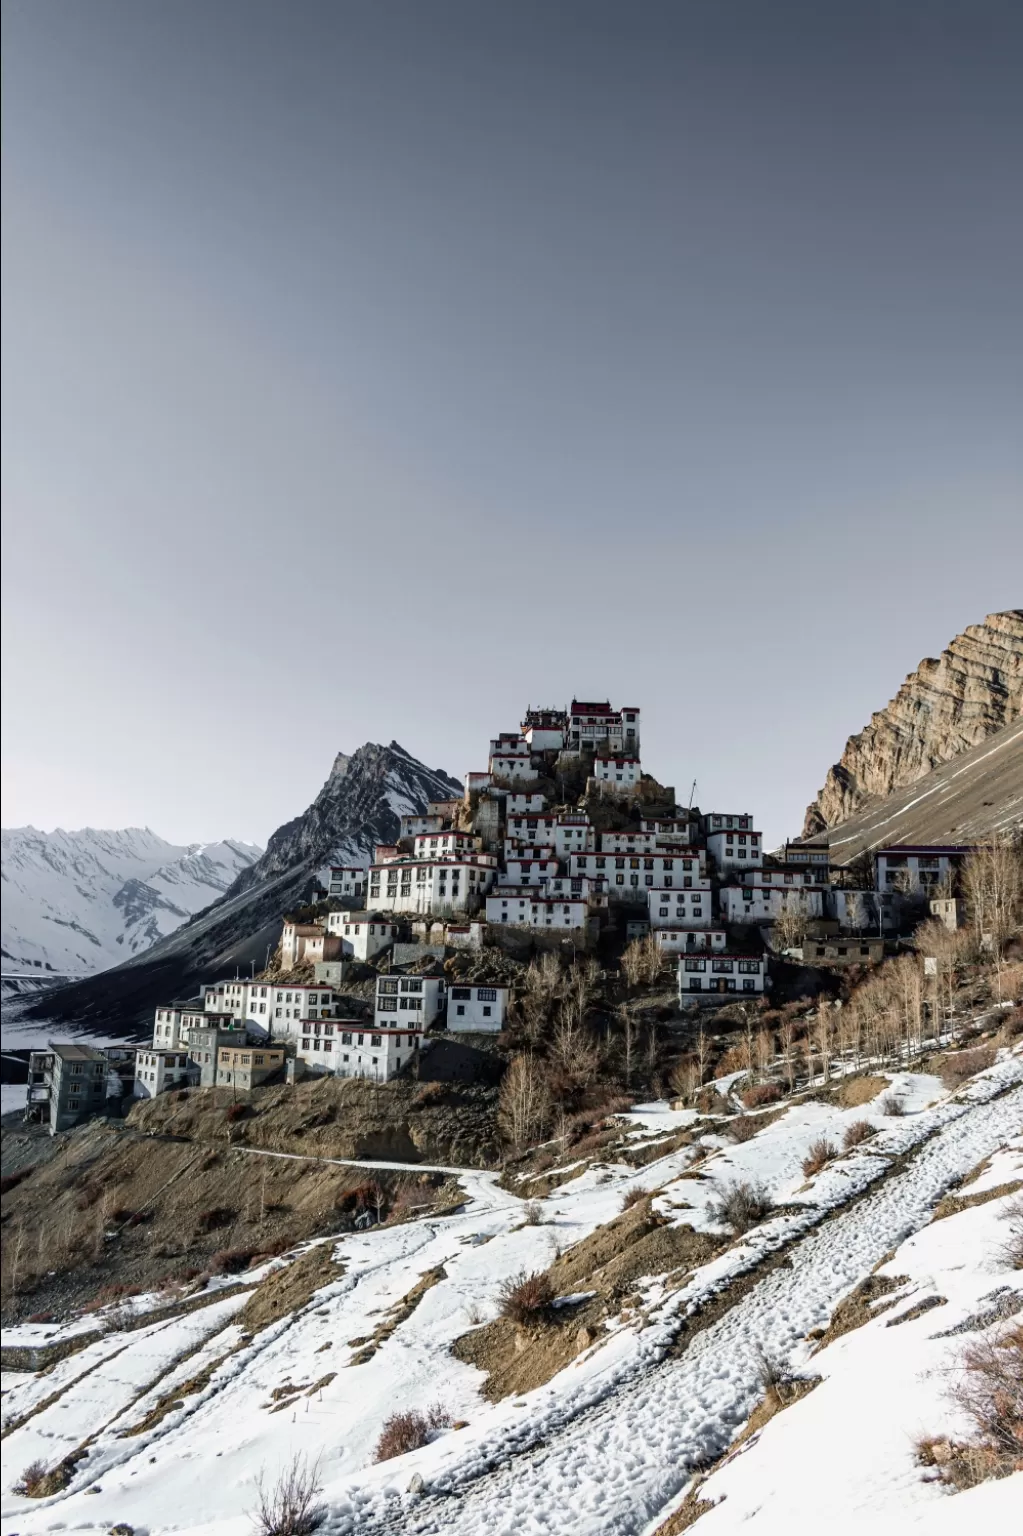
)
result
[(892, 1105), (991, 1390), (743, 1128), (404, 1432), (740, 1206), (857, 1132), (29, 1484), (290, 1507), (526, 1298), (634, 1196), (532, 1213), (761, 1094), (1011, 1251), (956, 1070), (819, 1154)]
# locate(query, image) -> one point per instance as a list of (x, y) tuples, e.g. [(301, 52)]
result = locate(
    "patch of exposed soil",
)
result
[(860, 1306), (951, 1205), (854, 1091)]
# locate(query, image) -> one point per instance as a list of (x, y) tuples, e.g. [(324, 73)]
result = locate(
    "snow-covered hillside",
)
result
[(609, 1443), (78, 902)]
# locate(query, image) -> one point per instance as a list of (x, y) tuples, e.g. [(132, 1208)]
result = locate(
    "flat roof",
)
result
[(76, 1052)]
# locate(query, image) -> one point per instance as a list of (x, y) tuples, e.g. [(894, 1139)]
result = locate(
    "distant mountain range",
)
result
[(79, 902), (359, 805)]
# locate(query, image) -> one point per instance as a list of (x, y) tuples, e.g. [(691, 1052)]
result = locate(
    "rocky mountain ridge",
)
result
[(359, 805), (79, 902), (949, 705)]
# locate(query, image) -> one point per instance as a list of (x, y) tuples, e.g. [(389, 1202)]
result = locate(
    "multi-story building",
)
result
[(543, 730), (226, 997), (477, 1008), (713, 974), (622, 774), (659, 866), (642, 841), (671, 829), (289, 1005), (244, 1067), (167, 1023), (524, 908), (573, 834), (528, 866), (756, 902), (375, 1051), (157, 1071), (445, 845), (429, 885), (348, 881), (66, 1084), (523, 802), (840, 949), (590, 888), (677, 941), (593, 726), (735, 848), (408, 1001), (318, 1046), (815, 857), (305, 944), (204, 1043), (364, 936), (919, 869), (687, 907)]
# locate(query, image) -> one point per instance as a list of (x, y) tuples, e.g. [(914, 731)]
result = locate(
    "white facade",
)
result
[(720, 973), (348, 881), (522, 802), (737, 821), (412, 826), (362, 936), (544, 738), (521, 868), (362, 1050), (414, 1001), (680, 908), (167, 1029), (589, 888), (425, 885), (525, 909), (917, 869), (288, 1008), (509, 744), (477, 1008), (620, 773), (683, 867), (510, 767), (295, 937), (593, 724), (158, 1070), (755, 903), (677, 941), (531, 829), (736, 850), (475, 782), (628, 842), (227, 997), (669, 829), (573, 834), (445, 845)]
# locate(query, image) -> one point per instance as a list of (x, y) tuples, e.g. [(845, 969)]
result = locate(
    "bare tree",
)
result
[(524, 1107)]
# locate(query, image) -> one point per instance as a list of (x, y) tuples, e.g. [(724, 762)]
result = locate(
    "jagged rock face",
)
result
[(944, 708), (359, 806)]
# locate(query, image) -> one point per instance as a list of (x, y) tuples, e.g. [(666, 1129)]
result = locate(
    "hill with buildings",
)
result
[(946, 707)]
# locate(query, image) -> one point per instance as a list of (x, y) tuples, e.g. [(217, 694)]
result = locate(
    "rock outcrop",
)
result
[(945, 707)]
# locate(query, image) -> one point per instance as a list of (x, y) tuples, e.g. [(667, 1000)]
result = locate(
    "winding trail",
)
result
[(613, 1467)]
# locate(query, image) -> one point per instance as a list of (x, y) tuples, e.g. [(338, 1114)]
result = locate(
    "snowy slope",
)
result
[(78, 902), (608, 1443)]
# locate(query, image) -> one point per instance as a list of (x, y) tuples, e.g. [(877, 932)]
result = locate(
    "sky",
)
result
[(372, 371)]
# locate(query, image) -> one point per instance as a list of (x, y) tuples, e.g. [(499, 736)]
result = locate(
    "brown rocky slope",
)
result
[(944, 708)]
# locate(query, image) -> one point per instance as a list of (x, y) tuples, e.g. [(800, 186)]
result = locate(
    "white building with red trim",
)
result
[(431, 885), (533, 829), (375, 1051), (403, 1001), (525, 908), (476, 1008), (691, 907), (735, 849), (362, 934), (528, 866), (544, 729), (755, 901), (445, 845), (524, 802), (680, 941), (348, 881), (710, 975), (621, 774), (573, 834), (595, 725)]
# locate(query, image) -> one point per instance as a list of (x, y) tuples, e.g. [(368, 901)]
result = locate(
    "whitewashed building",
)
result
[(544, 729), (642, 841), (689, 907), (676, 941), (591, 888), (348, 881), (525, 908), (426, 885), (528, 866), (755, 902), (413, 825), (622, 774), (167, 1027), (521, 802), (445, 845), (713, 974), (573, 834), (362, 935), (374, 1051), (593, 725), (670, 829), (735, 849), (475, 783), (227, 997), (918, 869), (157, 1071), (676, 866), (477, 1008), (289, 1007), (414, 1001), (533, 829)]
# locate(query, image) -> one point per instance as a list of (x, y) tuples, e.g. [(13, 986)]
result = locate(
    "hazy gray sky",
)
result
[(373, 370)]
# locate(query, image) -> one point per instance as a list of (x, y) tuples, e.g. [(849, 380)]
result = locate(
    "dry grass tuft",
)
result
[(404, 1432), (820, 1153), (741, 1206), (892, 1106), (761, 1094), (634, 1196), (526, 1298), (859, 1131), (290, 1506)]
